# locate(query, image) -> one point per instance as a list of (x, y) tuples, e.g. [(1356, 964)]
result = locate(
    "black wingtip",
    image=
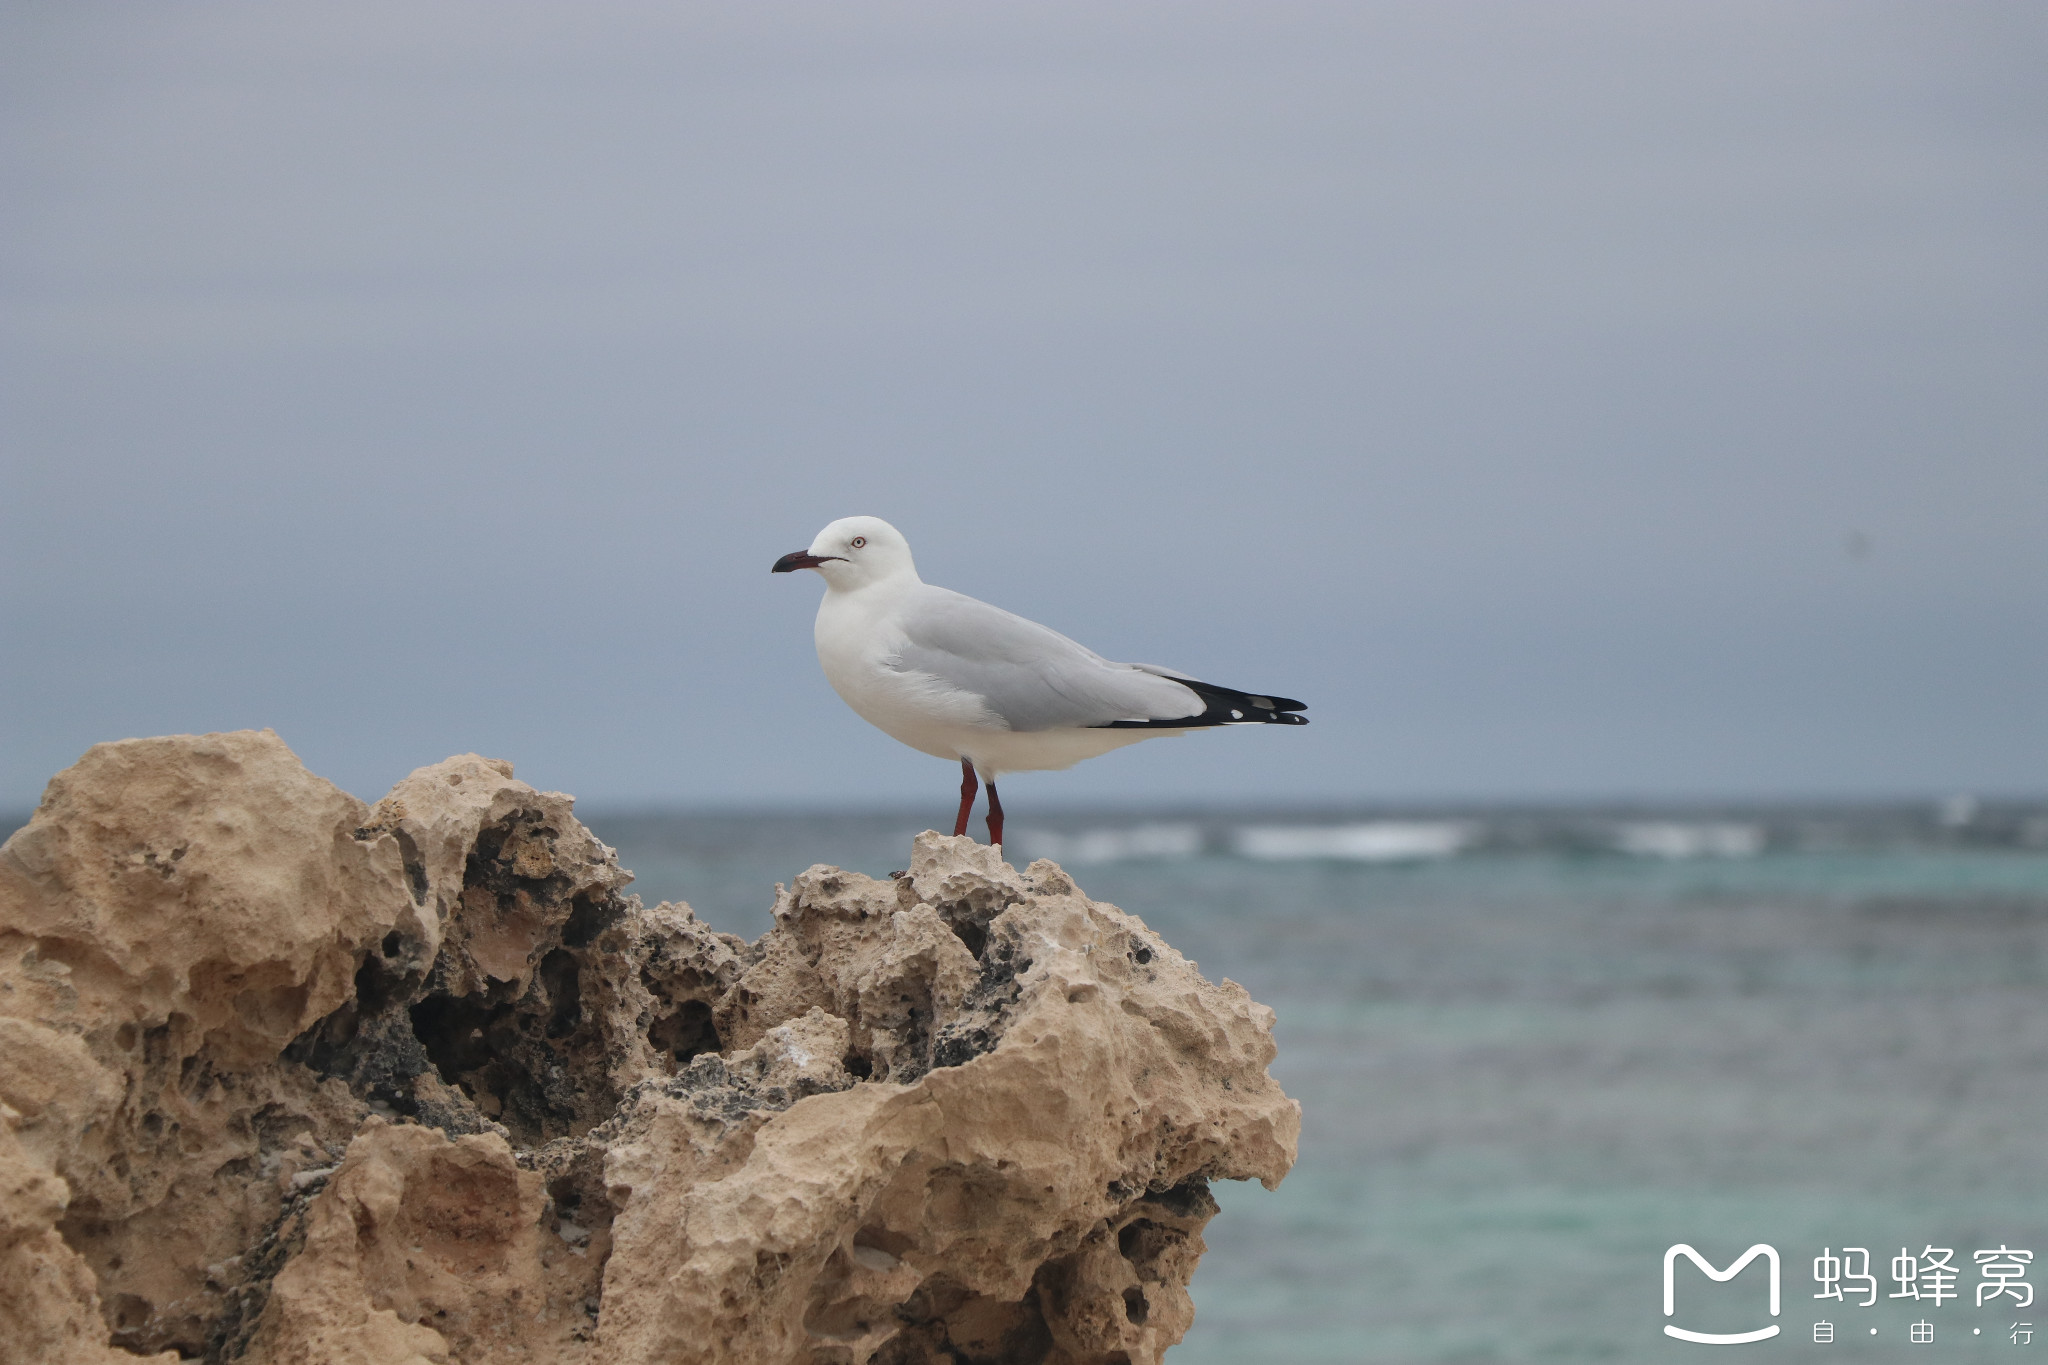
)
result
[(1223, 706)]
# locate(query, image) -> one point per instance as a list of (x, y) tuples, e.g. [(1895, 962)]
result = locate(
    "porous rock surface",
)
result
[(289, 1079)]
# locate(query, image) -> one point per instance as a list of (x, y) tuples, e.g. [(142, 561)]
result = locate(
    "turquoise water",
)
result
[(1528, 1068)]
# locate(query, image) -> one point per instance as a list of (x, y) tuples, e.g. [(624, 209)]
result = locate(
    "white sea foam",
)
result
[(1114, 845), (1371, 841), (1674, 839)]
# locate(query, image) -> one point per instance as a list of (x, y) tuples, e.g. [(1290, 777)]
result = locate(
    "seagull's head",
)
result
[(853, 552)]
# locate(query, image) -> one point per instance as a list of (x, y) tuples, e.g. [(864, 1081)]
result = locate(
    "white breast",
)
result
[(857, 646)]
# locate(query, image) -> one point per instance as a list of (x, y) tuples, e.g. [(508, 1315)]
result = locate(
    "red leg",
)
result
[(967, 790), (995, 815)]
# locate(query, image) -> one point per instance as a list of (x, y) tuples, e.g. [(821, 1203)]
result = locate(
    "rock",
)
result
[(286, 1078), (421, 1249), (177, 912)]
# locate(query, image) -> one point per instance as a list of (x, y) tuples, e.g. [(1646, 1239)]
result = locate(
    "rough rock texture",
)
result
[(289, 1079)]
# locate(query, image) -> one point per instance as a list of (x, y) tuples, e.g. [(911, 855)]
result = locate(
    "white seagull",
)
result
[(959, 679)]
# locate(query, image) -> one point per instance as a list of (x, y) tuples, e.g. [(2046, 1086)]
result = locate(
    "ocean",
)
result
[(1537, 1049)]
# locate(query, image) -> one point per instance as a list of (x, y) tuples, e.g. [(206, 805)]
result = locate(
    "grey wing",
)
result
[(1033, 677)]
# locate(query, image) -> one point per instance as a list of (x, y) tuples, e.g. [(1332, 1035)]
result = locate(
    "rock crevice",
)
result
[(286, 1078)]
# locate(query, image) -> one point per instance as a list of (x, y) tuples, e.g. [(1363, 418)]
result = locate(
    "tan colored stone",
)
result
[(495, 929), (420, 1248), (1120, 1082), (138, 897), (288, 1079), (176, 913), (49, 1306)]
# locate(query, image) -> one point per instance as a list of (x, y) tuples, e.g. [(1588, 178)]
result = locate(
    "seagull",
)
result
[(959, 679)]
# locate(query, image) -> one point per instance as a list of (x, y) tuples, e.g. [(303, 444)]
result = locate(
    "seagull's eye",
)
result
[(859, 541)]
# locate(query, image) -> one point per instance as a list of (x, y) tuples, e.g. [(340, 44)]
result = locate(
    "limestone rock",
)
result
[(289, 1079), (422, 1249)]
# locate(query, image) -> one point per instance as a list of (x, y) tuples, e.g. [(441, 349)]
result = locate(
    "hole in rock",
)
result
[(857, 1066), (975, 936), (518, 851), (578, 1197), (156, 1043), (377, 985), (415, 867), (943, 1321), (83, 1224), (475, 1046), (529, 1063), (586, 921), (686, 1031), (391, 944), (1135, 1307), (883, 1239), (559, 977), (455, 1030), (1131, 1240), (1189, 1199)]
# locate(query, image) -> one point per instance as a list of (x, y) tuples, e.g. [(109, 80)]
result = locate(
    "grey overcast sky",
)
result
[(1565, 399)]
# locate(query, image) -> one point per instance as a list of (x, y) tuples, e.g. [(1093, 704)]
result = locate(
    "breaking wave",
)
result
[(1370, 841), (1675, 839), (1149, 841)]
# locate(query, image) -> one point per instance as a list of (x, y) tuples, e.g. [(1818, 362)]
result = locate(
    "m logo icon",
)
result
[(1719, 1277)]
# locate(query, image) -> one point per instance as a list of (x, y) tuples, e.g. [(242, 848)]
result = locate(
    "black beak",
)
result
[(801, 559)]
